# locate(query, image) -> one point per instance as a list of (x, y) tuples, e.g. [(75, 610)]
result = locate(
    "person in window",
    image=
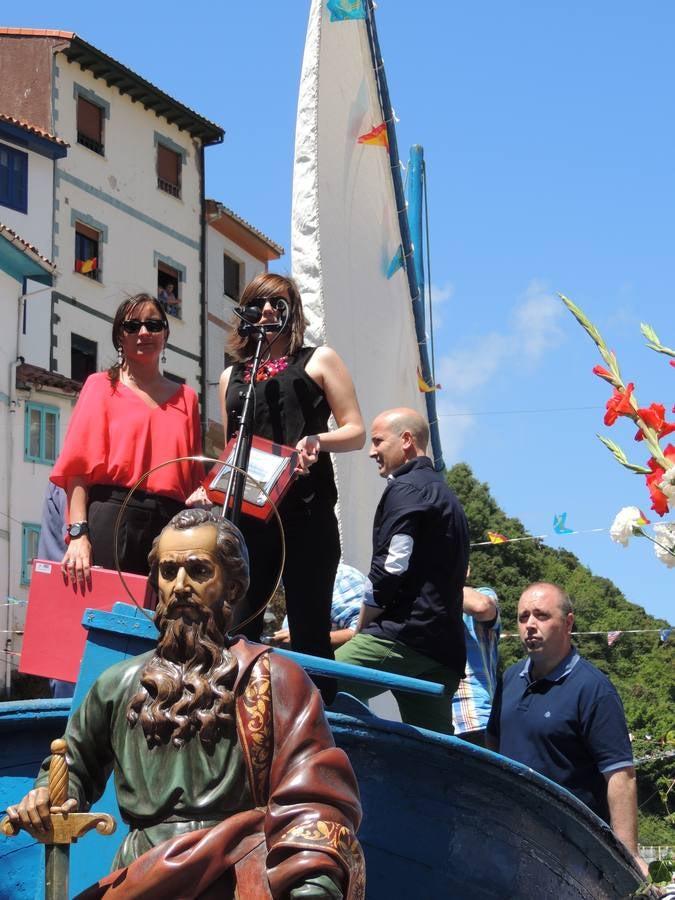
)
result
[(167, 297), (298, 388), (126, 421)]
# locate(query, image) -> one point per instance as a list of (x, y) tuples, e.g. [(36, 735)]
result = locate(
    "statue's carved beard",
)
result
[(186, 685)]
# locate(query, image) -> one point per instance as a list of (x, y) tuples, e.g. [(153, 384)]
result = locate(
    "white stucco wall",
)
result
[(119, 192), (219, 307)]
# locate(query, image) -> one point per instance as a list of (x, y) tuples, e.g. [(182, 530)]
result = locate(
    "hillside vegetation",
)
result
[(639, 665)]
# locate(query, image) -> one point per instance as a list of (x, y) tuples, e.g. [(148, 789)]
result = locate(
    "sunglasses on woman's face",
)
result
[(133, 326), (274, 302)]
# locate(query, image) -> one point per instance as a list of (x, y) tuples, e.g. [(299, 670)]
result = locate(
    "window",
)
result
[(30, 537), (169, 164), (168, 289), (231, 277), (41, 433), (90, 125), (83, 354), (13, 178), (87, 251)]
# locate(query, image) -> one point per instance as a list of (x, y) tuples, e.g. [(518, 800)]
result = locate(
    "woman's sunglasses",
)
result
[(274, 302), (133, 326)]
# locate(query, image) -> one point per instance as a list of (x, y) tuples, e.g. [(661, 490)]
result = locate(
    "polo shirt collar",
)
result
[(562, 670), (418, 461)]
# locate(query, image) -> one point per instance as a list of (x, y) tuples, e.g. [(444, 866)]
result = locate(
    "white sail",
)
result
[(345, 234)]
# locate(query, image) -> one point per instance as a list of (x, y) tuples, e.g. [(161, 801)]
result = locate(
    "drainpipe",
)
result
[(202, 296)]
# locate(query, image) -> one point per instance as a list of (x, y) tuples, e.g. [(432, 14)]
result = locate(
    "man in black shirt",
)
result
[(411, 619)]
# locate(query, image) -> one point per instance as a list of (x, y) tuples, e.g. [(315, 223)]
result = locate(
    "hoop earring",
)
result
[(120, 357)]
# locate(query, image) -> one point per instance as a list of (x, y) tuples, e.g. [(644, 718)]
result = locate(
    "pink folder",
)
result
[(54, 637)]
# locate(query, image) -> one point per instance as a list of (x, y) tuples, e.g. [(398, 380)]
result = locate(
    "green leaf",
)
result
[(621, 457)]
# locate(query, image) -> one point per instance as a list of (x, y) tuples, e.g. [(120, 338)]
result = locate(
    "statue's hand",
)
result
[(35, 808), (321, 887)]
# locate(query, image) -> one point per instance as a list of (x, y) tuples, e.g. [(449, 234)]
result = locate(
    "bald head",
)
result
[(397, 436)]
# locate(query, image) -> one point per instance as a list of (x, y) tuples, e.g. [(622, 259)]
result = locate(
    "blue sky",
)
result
[(549, 142)]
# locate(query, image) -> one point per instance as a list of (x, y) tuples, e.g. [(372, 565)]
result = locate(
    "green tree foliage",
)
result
[(639, 665)]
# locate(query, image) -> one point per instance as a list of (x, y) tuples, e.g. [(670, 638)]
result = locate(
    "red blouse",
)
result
[(114, 437)]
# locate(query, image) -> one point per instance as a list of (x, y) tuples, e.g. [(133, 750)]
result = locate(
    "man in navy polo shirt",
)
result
[(562, 717), (411, 618)]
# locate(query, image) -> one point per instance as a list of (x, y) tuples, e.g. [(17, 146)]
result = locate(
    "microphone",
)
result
[(249, 314)]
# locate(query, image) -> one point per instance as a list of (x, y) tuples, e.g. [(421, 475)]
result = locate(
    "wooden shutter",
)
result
[(89, 119), (168, 165)]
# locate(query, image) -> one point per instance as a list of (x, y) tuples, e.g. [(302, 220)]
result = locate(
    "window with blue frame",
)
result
[(41, 434), (13, 178), (30, 538)]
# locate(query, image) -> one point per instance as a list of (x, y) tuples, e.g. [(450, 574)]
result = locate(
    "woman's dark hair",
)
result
[(268, 284), (125, 311)]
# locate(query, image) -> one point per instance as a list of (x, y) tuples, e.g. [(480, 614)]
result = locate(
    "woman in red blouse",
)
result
[(126, 421)]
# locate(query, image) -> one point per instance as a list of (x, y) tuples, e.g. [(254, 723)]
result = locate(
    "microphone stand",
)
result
[(242, 447)]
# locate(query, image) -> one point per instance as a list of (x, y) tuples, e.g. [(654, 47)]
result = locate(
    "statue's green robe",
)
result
[(277, 796)]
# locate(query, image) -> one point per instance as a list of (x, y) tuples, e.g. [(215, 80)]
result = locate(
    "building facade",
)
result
[(235, 253)]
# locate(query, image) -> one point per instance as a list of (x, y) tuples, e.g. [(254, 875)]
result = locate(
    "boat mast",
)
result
[(413, 258)]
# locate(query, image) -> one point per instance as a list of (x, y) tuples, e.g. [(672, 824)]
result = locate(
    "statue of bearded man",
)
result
[(225, 768)]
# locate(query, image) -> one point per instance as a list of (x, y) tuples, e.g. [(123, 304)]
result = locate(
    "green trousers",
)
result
[(425, 711)]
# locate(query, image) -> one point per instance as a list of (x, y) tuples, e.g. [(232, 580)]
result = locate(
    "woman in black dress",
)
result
[(297, 390)]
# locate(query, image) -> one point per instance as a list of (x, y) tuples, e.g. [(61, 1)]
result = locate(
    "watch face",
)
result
[(77, 530)]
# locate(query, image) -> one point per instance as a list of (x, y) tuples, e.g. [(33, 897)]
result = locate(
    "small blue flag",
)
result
[(559, 525), (342, 10), (396, 262)]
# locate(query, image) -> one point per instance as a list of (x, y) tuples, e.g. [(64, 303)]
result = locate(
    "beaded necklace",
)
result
[(266, 370)]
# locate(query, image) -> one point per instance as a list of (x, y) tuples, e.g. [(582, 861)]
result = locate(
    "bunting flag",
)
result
[(423, 386), (559, 524), (86, 265), (344, 10), (396, 263), (664, 634), (497, 538), (610, 636), (376, 137)]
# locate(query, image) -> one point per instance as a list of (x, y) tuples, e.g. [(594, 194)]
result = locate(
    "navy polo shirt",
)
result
[(569, 726)]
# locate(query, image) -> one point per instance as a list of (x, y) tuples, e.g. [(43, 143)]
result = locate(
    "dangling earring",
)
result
[(163, 357), (120, 357)]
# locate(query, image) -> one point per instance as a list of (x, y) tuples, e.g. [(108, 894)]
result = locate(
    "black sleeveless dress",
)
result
[(289, 406)]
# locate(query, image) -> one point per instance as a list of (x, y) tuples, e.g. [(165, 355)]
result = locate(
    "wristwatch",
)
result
[(77, 529)]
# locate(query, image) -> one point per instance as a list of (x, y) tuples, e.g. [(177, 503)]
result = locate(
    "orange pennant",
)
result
[(377, 137)]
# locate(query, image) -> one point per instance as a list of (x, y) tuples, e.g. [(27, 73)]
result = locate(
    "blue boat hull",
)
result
[(442, 818)]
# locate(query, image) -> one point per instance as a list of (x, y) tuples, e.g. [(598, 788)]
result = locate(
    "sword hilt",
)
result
[(58, 773)]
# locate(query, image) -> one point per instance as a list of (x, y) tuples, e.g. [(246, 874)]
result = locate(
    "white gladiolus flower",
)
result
[(625, 525), (667, 486), (664, 545)]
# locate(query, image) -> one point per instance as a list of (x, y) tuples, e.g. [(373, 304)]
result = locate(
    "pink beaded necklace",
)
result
[(266, 370)]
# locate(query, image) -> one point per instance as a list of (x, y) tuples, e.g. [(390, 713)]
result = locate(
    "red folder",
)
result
[(273, 466), (54, 637)]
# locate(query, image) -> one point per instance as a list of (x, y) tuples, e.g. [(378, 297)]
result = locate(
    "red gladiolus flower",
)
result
[(659, 499), (654, 417), (619, 405), (602, 373)]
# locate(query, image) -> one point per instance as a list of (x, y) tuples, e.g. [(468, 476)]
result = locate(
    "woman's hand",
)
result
[(76, 564), (199, 498), (308, 452)]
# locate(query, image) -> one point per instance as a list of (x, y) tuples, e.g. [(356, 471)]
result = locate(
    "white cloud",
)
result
[(473, 366), (454, 424), (535, 329), (440, 294), (536, 319)]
